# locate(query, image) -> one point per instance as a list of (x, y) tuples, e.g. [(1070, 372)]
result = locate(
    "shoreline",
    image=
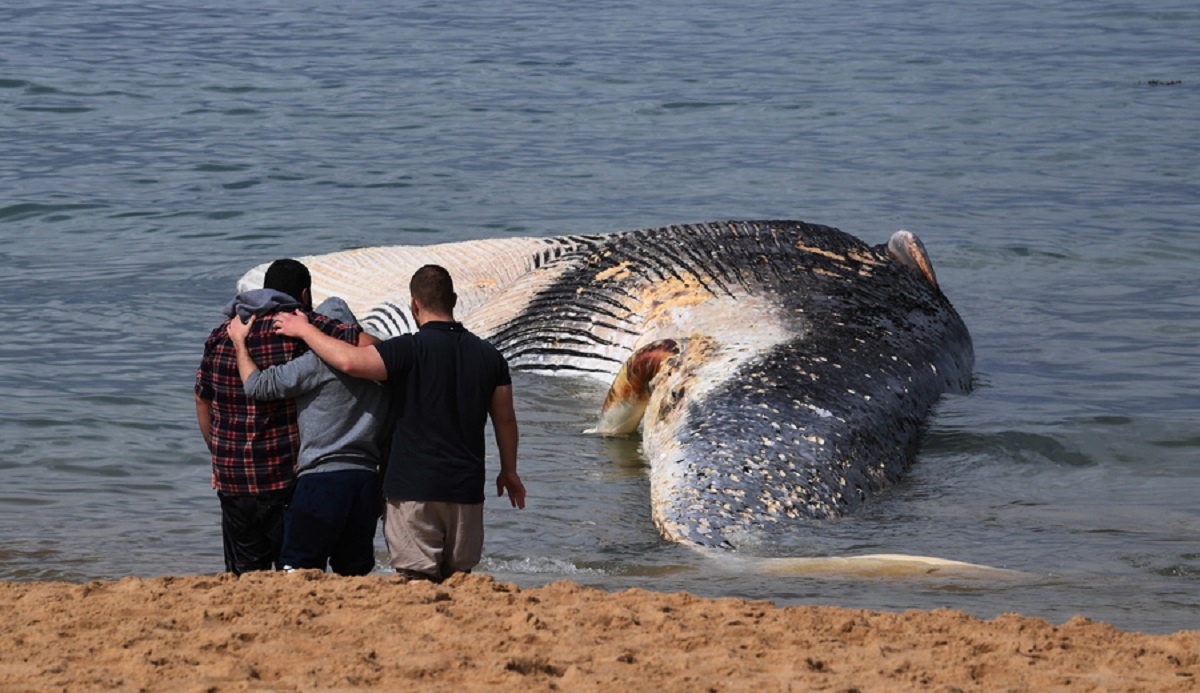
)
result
[(308, 630)]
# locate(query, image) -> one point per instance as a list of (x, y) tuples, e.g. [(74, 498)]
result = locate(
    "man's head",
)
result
[(292, 278), (432, 292)]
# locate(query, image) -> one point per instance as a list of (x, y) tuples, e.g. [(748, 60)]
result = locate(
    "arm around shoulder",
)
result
[(296, 377), (359, 361)]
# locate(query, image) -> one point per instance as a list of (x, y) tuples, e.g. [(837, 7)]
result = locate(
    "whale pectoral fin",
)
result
[(886, 566), (904, 247), (626, 400)]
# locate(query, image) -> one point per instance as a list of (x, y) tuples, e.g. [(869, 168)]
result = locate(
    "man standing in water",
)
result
[(445, 383), (254, 444)]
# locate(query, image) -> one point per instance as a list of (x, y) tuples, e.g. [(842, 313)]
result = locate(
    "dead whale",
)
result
[(780, 371)]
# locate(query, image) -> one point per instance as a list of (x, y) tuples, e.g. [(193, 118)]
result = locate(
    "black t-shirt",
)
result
[(442, 379)]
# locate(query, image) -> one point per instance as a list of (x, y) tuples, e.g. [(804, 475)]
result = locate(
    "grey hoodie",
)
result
[(262, 302), (342, 420)]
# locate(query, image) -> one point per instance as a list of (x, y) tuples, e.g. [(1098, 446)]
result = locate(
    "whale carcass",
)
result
[(780, 371)]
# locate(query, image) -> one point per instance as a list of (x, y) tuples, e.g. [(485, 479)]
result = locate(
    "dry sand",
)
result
[(310, 631)]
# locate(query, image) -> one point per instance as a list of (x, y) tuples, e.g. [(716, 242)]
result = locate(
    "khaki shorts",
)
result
[(433, 540)]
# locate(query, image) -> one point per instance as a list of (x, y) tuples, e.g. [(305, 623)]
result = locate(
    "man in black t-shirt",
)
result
[(445, 383)]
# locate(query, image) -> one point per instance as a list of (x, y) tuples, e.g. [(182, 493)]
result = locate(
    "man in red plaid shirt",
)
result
[(254, 443)]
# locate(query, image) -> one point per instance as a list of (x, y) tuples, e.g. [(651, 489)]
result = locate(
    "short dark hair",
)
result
[(433, 288), (289, 276)]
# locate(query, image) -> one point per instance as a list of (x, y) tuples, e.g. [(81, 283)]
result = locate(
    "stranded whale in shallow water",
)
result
[(780, 371)]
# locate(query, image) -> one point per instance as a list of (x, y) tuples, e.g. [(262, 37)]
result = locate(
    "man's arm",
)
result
[(237, 334), (358, 361), (504, 424), (204, 418), (280, 381)]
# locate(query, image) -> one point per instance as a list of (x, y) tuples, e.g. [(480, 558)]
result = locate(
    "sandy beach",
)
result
[(312, 631)]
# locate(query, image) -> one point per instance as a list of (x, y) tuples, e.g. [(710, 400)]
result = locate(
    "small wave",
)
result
[(519, 566), (21, 212), (537, 565), (1011, 444)]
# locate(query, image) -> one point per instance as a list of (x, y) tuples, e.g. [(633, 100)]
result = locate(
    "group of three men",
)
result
[(307, 417)]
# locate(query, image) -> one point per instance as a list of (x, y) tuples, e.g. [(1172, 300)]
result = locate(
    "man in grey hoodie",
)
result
[(344, 437)]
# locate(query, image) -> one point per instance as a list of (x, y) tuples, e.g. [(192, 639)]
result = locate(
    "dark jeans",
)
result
[(252, 529), (331, 521)]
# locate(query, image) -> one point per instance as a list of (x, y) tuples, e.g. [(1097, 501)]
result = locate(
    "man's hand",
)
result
[(509, 481), (294, 324), (238, 329)]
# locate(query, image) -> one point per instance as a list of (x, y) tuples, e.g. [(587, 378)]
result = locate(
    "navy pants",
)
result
[(331, 522), (252, 529)]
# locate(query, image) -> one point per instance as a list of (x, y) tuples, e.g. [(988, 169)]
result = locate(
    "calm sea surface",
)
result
[(1047, 153)]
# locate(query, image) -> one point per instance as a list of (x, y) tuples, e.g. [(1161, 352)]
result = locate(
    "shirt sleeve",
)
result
[(397, 354), (503, 377), (204, 373), (291, 379)]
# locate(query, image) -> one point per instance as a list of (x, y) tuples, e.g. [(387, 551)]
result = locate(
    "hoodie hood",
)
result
[(260, 302), (337, 310)]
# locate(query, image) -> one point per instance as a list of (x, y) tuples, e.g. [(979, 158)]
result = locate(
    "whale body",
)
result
[(780, 372)]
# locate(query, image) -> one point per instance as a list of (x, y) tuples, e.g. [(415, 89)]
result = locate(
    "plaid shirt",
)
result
[(254, 444)]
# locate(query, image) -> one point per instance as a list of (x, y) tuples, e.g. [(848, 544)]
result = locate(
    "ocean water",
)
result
[(1048, 154)]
